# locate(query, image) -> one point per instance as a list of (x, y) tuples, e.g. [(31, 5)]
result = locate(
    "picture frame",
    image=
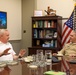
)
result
[(3, 20), (38, 13)]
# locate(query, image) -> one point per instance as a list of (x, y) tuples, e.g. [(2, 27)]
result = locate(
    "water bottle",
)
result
[(48, 56)]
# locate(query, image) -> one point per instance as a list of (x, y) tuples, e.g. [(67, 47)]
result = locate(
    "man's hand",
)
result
[(54, 54), (72, 55), (22, 52), (5, 52)]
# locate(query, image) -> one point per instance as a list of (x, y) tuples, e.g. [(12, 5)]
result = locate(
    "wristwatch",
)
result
[(20, 56)]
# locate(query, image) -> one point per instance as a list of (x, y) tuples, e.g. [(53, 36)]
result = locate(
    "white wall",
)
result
[(13, 9), (63, 8)]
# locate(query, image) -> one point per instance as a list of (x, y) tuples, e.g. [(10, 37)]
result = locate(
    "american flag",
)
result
[(68, 26), (67, 29), (65, 66)]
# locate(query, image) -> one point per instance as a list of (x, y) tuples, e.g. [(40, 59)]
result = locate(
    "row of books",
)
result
[(45, 24), (52, 43), (44, 34)]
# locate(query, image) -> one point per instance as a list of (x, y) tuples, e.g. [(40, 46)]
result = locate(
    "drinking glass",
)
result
[(40, 55)]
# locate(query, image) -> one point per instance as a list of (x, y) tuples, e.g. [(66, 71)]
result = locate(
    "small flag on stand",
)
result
[(68, 26)]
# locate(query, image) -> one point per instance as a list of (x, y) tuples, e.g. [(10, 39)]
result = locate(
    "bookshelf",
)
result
[(46, 33)]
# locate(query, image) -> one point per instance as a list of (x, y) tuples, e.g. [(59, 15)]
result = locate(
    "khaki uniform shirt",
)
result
[(69, 48)]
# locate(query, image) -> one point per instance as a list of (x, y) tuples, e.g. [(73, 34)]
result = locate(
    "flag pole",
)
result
[(75, 4), (74, 21)]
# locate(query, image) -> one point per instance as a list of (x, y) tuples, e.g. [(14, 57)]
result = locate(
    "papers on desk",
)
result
[(8, 63), (28, 59), (54, 73), (2, 65), (12, 63)]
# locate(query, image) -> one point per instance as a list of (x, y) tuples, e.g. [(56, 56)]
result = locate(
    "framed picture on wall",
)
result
[(3, 19)]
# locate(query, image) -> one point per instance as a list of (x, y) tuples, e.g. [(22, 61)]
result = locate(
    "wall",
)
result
[(63, 8), (27, 12), (13, 9)]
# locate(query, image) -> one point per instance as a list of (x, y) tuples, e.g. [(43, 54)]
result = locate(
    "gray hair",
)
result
[(2, 31)]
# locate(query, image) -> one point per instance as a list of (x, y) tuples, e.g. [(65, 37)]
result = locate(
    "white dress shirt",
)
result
[(3, 47)]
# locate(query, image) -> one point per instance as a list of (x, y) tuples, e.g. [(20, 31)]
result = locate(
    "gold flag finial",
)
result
[(75, 4)]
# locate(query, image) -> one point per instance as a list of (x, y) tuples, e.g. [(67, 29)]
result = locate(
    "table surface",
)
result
[(69, 62), (11, 69), (26, 70)]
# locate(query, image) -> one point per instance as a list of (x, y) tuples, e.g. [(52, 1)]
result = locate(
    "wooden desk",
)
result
[(12, 70), (25, 69), (22, 69), (71, 63)]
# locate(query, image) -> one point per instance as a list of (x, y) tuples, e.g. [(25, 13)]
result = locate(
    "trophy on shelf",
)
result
[(38, 42), (50, 12)]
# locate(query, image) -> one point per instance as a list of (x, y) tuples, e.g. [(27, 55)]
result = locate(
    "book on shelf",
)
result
[(41, 33), (49, 24), (45, 24), (36, 23), (55, 43), (53, 24), (40, 24), (35, 33), (52, 43)]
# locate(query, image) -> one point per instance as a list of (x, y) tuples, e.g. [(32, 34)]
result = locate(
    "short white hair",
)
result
[(2, 31)]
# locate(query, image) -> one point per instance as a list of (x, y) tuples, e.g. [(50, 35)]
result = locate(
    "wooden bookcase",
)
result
[(46, 33)]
